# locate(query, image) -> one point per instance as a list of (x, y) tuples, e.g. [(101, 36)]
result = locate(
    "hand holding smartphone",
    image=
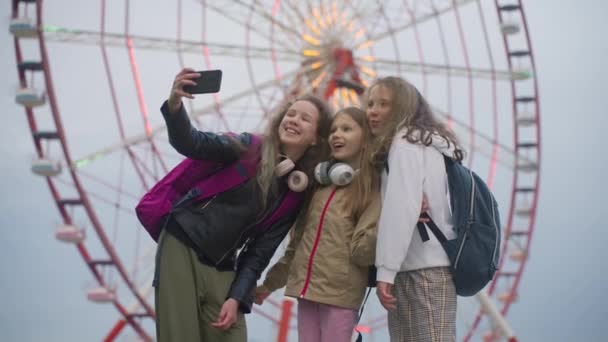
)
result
[(209, 81)]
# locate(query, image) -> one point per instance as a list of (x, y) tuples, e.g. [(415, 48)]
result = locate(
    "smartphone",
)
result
[(210, 81)]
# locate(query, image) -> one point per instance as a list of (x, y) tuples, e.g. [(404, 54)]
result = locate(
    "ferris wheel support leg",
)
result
[(497, 318), (115, 331), (285, 318)]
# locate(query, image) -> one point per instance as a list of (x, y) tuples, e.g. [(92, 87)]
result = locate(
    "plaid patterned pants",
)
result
[(426, 306)]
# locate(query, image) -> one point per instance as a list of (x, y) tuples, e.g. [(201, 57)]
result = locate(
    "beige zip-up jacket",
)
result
[(329, 254)]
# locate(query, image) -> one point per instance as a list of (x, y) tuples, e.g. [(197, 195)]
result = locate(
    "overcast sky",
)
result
[(562, 296)]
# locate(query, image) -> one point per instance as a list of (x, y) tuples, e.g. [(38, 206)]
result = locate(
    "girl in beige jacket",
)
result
[(326, 262)]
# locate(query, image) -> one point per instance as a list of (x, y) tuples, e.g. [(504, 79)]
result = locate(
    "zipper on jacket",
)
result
[(316, 244), (207, 202), (275, 207)]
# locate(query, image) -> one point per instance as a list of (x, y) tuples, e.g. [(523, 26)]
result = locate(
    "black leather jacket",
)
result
[(224, 224)]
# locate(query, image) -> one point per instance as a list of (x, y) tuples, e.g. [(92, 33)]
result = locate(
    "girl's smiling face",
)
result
[(299, 125), (346, 139)]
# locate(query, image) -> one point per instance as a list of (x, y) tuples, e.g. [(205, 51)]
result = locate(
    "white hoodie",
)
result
[(415, 170)]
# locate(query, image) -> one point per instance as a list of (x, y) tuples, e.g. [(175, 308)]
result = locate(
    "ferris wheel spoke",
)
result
[(362, 16), (292, 5), (134, 140), (161, 44), (236, 13), (374, 18), (98, 197), (359, 23), (365, 12), (387, 65), (145, 261), (107, 185), (351, 15), (145, 292), (419, 16), (266, 95), (496, 317), (259, 87), (272, 19), (484, 144)]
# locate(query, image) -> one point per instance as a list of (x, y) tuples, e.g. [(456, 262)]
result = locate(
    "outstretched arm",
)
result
[(185, 138)]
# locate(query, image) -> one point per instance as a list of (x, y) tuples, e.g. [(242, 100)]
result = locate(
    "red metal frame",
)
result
[(83, 198), (509, 276)]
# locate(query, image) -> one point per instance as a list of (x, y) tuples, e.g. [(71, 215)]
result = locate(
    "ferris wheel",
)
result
[(88, 81)]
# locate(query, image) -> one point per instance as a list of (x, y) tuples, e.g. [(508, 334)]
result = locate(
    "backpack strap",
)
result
[(422, 230), (226, 178), (290, 202), (432, 227)]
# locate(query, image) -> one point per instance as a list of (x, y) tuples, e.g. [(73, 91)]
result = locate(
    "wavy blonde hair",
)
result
[(410, 111), (271, 146)]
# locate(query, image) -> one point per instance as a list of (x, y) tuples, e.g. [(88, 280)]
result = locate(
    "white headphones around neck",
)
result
[(297, 181), (336, 173)]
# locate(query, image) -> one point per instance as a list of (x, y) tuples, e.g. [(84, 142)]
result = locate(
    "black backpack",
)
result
[(474, 253)]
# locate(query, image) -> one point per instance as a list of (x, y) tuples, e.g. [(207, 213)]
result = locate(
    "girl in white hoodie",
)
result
[(414, 280)]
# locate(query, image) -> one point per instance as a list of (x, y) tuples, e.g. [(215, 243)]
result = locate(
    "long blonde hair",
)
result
[(271, 146), (411, 111), (367, 181)]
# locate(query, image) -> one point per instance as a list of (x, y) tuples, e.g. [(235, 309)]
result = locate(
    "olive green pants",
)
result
[(189, 296)]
